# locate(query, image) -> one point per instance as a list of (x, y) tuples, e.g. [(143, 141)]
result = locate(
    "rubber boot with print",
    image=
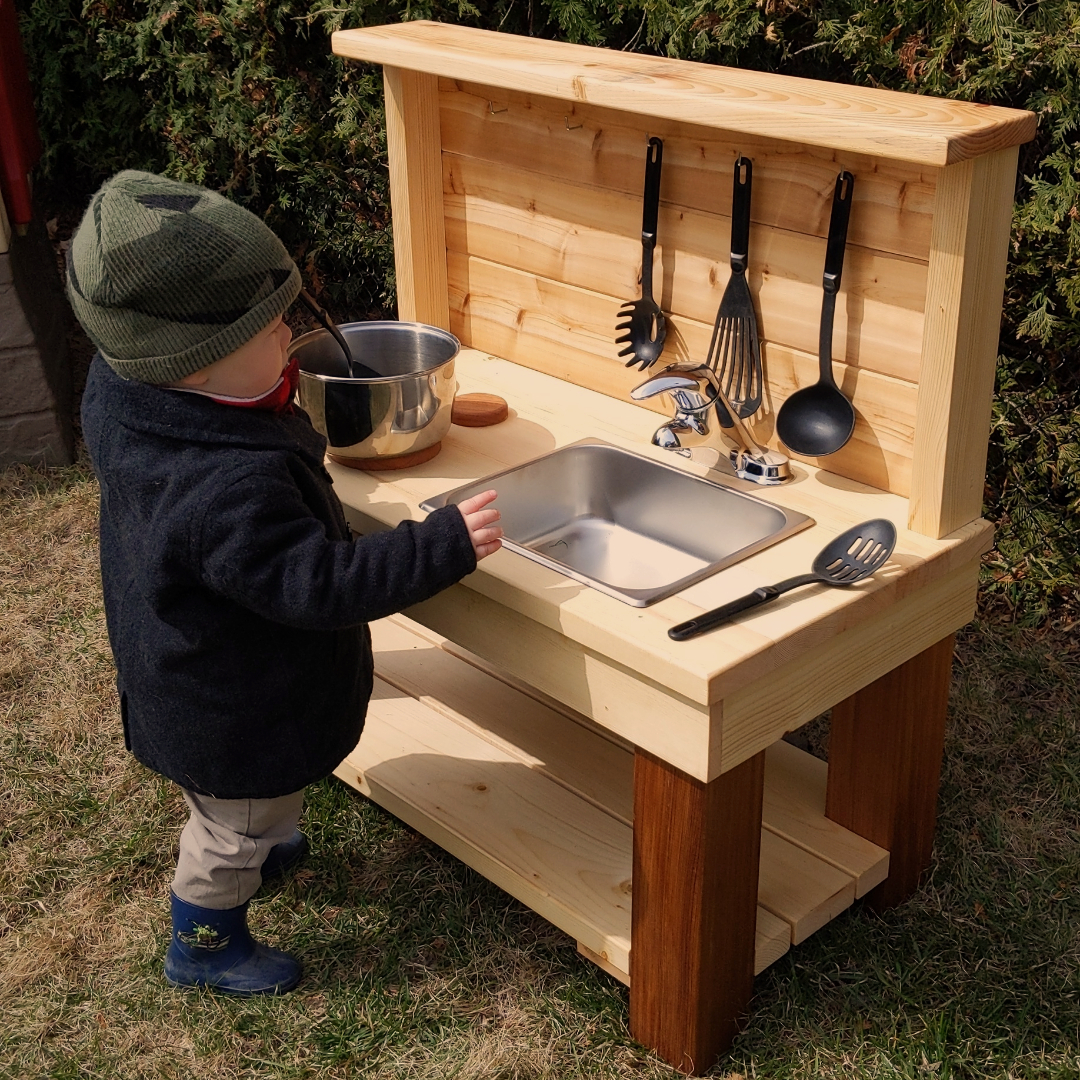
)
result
[(215, 949)]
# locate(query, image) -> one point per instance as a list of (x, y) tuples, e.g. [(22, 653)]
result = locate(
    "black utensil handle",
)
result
[(701, 624), (825, 333), (740, 213), (838, 228), (712, 619), (654, 157), (834, 268), (327, 323)]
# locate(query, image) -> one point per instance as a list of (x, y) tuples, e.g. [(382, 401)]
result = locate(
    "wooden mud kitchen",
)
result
[(632, 789)]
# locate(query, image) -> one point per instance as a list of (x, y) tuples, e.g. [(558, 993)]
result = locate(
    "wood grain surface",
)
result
[(567, 331), (885, 749), (598, 649), (413, 142), (793, 182), (883, 123), (696, 853), (960, 338)]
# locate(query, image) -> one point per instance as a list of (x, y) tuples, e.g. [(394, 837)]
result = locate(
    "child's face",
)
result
[(251, 370)]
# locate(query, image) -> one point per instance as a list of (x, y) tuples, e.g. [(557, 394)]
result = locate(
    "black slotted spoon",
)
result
[(852, 556), (642, 326)]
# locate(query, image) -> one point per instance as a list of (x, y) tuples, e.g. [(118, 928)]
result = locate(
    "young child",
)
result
[(236, 599)]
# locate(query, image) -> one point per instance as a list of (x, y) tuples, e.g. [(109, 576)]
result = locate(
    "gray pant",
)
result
[(225, 843)]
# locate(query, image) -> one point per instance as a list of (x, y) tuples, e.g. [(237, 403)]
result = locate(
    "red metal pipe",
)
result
[(20, 146)]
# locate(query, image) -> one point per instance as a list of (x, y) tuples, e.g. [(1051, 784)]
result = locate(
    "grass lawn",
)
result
[(417, 967)]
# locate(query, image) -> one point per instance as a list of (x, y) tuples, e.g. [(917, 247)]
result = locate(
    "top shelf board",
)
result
[(882, 123)]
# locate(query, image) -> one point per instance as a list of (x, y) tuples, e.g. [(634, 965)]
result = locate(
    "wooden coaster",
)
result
[(479, 410), (402, 461)]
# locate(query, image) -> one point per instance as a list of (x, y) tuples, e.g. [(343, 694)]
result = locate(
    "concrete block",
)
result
[(24, 383), (15, 329), (36, 280), (35, 372), (35, 438)]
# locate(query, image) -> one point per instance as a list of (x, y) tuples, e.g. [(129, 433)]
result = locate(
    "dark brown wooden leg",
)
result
[(696, 853), (885, 749)]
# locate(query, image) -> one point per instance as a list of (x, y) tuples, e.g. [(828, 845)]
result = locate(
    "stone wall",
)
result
[(35, 375)]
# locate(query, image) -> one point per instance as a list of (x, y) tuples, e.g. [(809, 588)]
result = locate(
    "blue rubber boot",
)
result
[(214, 948), (285, 855)]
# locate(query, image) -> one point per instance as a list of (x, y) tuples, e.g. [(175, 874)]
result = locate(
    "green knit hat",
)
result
[(167, 277)]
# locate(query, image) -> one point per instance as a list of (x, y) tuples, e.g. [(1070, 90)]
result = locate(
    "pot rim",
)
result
[(382, 324)]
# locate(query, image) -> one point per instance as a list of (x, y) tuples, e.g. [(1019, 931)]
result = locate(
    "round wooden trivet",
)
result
[(479, 410), (402, 461)]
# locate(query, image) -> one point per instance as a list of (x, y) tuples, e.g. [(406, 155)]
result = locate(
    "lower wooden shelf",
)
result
[(539, 800)]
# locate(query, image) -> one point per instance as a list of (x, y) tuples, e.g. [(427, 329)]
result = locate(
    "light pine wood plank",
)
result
[(564, 331), (603, 962), (590, 237), (550, 413), (840, 666), (794, 809), (799, 888), (967, 278), (563, 749), (560, 855), (793, 183), (570, 752), (881, 123), (412, 143), (773, 940), (534, 839), (603, 690)]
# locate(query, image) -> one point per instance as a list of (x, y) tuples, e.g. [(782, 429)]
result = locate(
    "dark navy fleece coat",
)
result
[(235, 599)]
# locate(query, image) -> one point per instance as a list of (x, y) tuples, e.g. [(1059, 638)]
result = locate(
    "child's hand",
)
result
[(485, 540)]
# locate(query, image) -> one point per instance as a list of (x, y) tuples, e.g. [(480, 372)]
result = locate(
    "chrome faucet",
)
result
[(702, 412)]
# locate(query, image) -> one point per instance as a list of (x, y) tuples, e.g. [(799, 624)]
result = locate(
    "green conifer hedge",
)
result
[(244, 95)]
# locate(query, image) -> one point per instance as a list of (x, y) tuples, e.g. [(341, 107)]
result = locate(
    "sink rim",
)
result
[(793, 522)]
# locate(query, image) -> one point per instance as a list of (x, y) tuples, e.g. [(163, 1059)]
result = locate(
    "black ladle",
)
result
[(344, 368), (818, 419), (852, 556)]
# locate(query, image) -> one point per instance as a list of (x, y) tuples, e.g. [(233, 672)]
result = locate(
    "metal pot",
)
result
[(398, 404)]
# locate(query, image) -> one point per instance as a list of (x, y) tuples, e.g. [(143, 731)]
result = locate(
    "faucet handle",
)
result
[(686, 384)]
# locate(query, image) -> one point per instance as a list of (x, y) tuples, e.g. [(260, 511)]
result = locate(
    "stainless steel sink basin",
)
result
[(627, 525)]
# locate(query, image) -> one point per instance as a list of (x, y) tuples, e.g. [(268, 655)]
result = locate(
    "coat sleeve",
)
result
[(261, 546)]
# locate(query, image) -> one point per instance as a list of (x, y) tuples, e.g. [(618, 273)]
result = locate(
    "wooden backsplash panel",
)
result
[(543, 220), (549, 326), (895, 199), (590, 237)]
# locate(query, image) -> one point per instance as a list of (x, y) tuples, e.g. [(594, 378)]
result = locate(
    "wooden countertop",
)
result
[(547, 413), (883, 123)]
